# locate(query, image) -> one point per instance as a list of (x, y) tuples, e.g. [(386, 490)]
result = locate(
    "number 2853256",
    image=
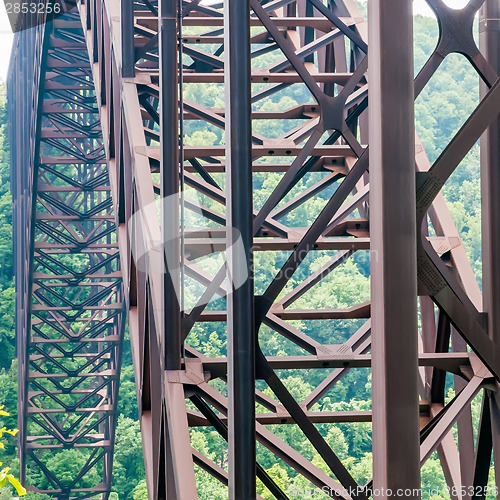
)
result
[(32, 8)]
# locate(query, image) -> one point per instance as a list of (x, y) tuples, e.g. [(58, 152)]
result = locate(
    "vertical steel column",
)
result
[(127, 25), (393, 248), (489, 39), (240, 322), (490, 175), (169, 127)]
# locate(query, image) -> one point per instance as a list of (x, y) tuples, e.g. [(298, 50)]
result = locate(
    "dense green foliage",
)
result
[(440, 110)]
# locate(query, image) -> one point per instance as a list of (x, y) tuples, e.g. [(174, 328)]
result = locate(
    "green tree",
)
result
[(128, 460), (6, 477), (140, 491)]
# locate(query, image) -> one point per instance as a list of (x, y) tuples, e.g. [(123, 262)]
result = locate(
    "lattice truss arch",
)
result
[(71, 347), (322, 47)]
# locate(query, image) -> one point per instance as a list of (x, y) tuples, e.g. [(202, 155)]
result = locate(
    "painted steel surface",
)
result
[(144, 97)]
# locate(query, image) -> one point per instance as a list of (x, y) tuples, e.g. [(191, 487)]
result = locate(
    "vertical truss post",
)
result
[(241, 330), (490, 175), (489, 40), (393, 233), (169, 125), (127, 31)]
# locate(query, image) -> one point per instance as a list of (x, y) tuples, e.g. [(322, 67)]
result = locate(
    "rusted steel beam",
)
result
[(393, 234), (451, 362), (241, 323), (169, 157), (489, 38)]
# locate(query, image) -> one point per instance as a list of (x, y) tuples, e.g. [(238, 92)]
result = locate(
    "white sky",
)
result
[(420, 7)]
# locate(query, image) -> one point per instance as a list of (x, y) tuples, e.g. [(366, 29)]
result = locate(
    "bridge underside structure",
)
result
[(138, 137)]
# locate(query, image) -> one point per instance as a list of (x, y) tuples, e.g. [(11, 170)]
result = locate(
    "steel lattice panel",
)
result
[(73, 342)]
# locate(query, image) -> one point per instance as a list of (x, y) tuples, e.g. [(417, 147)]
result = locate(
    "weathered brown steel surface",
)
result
[(321, 47), (393, 242)]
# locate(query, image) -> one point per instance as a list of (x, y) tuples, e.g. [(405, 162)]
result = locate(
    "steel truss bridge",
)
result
[(99, 100)]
